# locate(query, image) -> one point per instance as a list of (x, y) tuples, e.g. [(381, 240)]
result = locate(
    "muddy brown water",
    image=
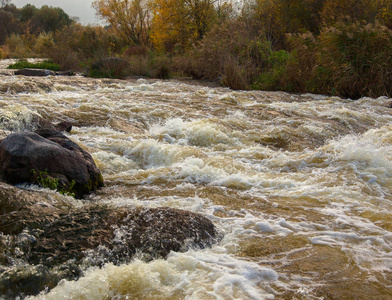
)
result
[(300, 185)]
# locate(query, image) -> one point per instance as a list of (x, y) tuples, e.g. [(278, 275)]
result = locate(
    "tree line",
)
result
[(30, 19), (337, 47)]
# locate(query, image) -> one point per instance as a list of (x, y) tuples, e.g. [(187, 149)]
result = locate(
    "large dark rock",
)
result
[(34, 72), (53, 237), (63, 126), (39, 123), (52, 242), (48, 156)]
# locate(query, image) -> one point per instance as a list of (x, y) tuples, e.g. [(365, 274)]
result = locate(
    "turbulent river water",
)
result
[(299, 185)]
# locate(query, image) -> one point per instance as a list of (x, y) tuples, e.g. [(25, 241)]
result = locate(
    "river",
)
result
[(299, 185)]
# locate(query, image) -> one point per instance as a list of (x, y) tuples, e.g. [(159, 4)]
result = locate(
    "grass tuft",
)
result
[(47, 65)]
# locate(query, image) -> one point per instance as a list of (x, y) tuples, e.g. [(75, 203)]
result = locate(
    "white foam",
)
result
[(190, 275), (16, 117), (200, 133)]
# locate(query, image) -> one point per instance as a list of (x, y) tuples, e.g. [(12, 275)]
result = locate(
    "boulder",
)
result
[(63, 126), (48, 158), (52, 242), (34, 72), (52, 237), (39, 123)]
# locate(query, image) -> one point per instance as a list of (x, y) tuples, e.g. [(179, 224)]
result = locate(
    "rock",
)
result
[(64, 126), (39, 123), (52, 242), (65, 73), (28, 85), (34, 72), (49, 236), (22, 280), (48, 157), (81, 234), (157, 231), (26, 120)]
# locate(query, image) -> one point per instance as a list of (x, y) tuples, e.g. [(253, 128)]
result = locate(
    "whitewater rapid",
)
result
[(299, 185)]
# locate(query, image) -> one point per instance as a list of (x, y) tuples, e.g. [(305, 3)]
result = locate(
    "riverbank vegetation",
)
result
[(330, 47), (47, 65)]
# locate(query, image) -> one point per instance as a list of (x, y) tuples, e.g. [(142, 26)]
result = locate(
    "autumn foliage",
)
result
[(337, 47), (132, 19)]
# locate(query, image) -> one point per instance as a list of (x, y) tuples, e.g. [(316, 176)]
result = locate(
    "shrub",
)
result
[(160, 65), (137, 50), (17, 46), (110, 67), (271, 78), (359, 59), (44, 43), (139, 66), (350, 59), (228, 52), (77, 47), (234, 76)]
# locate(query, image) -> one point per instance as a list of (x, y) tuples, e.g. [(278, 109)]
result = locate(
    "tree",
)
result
[(6, 25), (27, 12), (131, 18), (181, 22), (355, 9), (4, 3), (49, 19), (276, 18)]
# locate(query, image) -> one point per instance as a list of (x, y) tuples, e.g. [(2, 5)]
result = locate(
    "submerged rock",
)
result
[(23, 119), (53, 242), (25, 280), (27, 85), (49, 158), (34, 72)]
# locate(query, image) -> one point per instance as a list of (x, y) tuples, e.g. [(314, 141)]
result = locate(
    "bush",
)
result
[(350, 59), (229, 53), (160, 65), (44, 43), (76, 47), (147, 63), (271, 79), (139, 66), (358, 58), (110, 67), (17, 46), (136, 50)]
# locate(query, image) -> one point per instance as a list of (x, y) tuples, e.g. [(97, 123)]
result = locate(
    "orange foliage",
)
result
[(180, 22)]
